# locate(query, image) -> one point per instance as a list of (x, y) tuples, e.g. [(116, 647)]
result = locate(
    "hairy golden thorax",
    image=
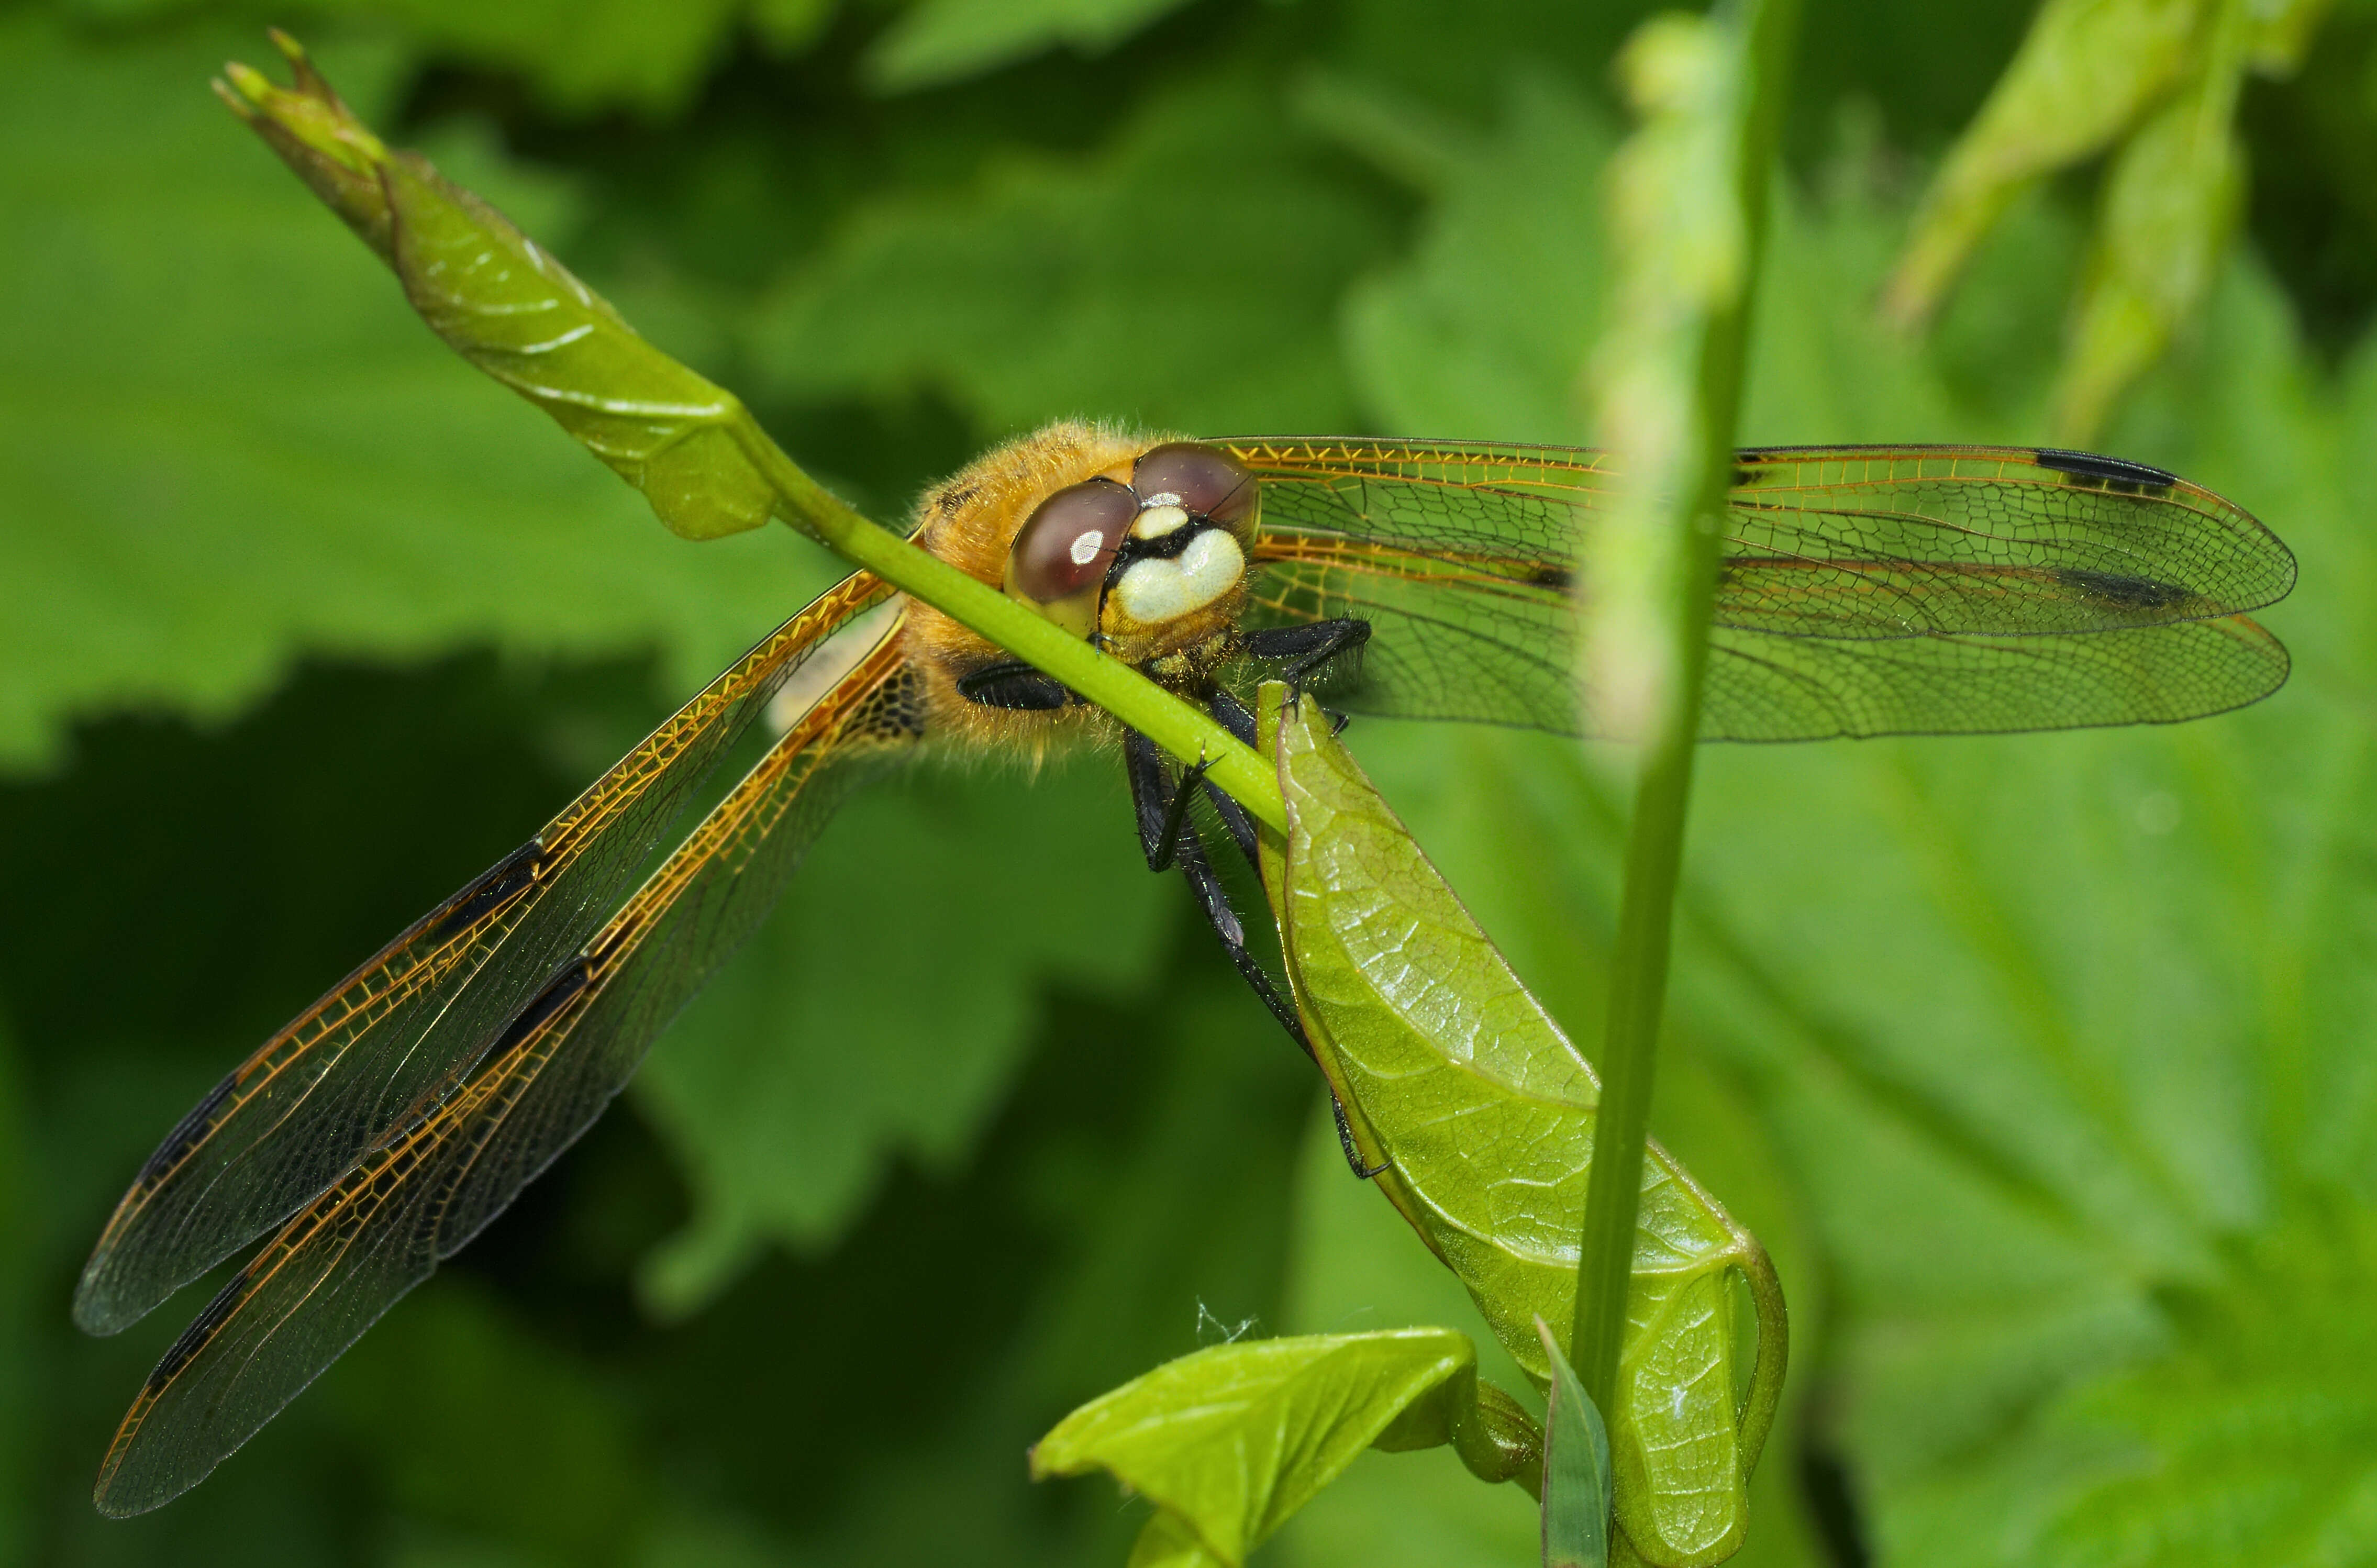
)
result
[(972, 521)]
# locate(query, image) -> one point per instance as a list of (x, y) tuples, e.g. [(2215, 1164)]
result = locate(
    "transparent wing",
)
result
[(395, 1035), (1816, 688), (420, 1195), (1459, 556)]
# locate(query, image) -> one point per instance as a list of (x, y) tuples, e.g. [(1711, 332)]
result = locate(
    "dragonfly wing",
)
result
[(394, 1035), (419, 1195), (1765, 688), (1459, 556), (1867, 541)]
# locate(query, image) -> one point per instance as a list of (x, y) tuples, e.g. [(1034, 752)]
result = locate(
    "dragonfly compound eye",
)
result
[(1203, 480), (1058, 562)]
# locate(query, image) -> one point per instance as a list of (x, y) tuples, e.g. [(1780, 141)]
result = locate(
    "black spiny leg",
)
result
[(1162, 810), (1239, 720), (1308, 647)]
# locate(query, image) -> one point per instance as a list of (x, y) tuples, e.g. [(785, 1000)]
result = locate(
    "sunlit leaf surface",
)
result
[(1229, 1442), (1479, 1117)]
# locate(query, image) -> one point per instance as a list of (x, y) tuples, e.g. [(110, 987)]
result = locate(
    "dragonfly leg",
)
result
[(1239, 720), (1014, 684), (1161, 811), (1308, 647), (1161, 806)]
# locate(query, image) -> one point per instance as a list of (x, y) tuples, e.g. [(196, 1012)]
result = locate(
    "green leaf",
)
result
[(1499, 810), (1049, 286), (1356, 1269), (506, 305), (2170, 201), (1451, 1072), (802, 1071), (1165, 1542), (227, 446), (1228, 1442), (941, 40), (2086, 72), (1576, 1468)]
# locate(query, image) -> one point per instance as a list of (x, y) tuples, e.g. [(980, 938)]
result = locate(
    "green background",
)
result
[(2043, 1064)]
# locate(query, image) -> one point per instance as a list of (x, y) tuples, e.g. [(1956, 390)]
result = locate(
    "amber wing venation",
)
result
[(1888, 542), (1813, 688), (1459, 556), (394, 1035), (422, 1193)]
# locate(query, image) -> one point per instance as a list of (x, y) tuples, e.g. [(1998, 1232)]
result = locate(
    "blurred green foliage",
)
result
[(2042, 1064)]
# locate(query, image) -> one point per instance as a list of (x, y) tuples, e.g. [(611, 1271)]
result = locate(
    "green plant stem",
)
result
[(1130, 696), (1656, 843)]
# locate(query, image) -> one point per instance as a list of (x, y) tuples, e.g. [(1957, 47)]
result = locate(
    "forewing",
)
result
[(1888, 542), (1459, 556), (394, 1035), (420, 1194)]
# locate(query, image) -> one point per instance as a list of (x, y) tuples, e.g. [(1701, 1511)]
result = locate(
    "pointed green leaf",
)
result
[(1230, 1441), (2085, 71), (2169, 204), (1576, 1468), (1453, 1073), (506, 305)]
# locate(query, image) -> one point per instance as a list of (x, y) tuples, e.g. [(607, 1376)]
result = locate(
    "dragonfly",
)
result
[(1864, 590)]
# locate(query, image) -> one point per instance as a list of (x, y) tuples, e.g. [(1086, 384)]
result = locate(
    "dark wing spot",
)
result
[(1560, 577), (2113, 471), (2129, 593), (202, 1328), (514, 872), (187, 1134), (559, 993)]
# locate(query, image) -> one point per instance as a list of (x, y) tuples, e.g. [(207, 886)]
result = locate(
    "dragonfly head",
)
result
[(1162, 554)]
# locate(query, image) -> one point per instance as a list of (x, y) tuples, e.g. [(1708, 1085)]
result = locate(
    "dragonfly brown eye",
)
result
[(1060, 560), (1204, 481)]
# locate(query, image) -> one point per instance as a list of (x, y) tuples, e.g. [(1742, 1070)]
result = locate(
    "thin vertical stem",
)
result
[(1656, 842)]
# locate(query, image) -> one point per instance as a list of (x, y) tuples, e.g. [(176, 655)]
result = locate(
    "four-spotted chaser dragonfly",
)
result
[(1864, 590)]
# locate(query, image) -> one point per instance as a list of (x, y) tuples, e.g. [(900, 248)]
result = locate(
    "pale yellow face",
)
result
[(1153, 564)]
